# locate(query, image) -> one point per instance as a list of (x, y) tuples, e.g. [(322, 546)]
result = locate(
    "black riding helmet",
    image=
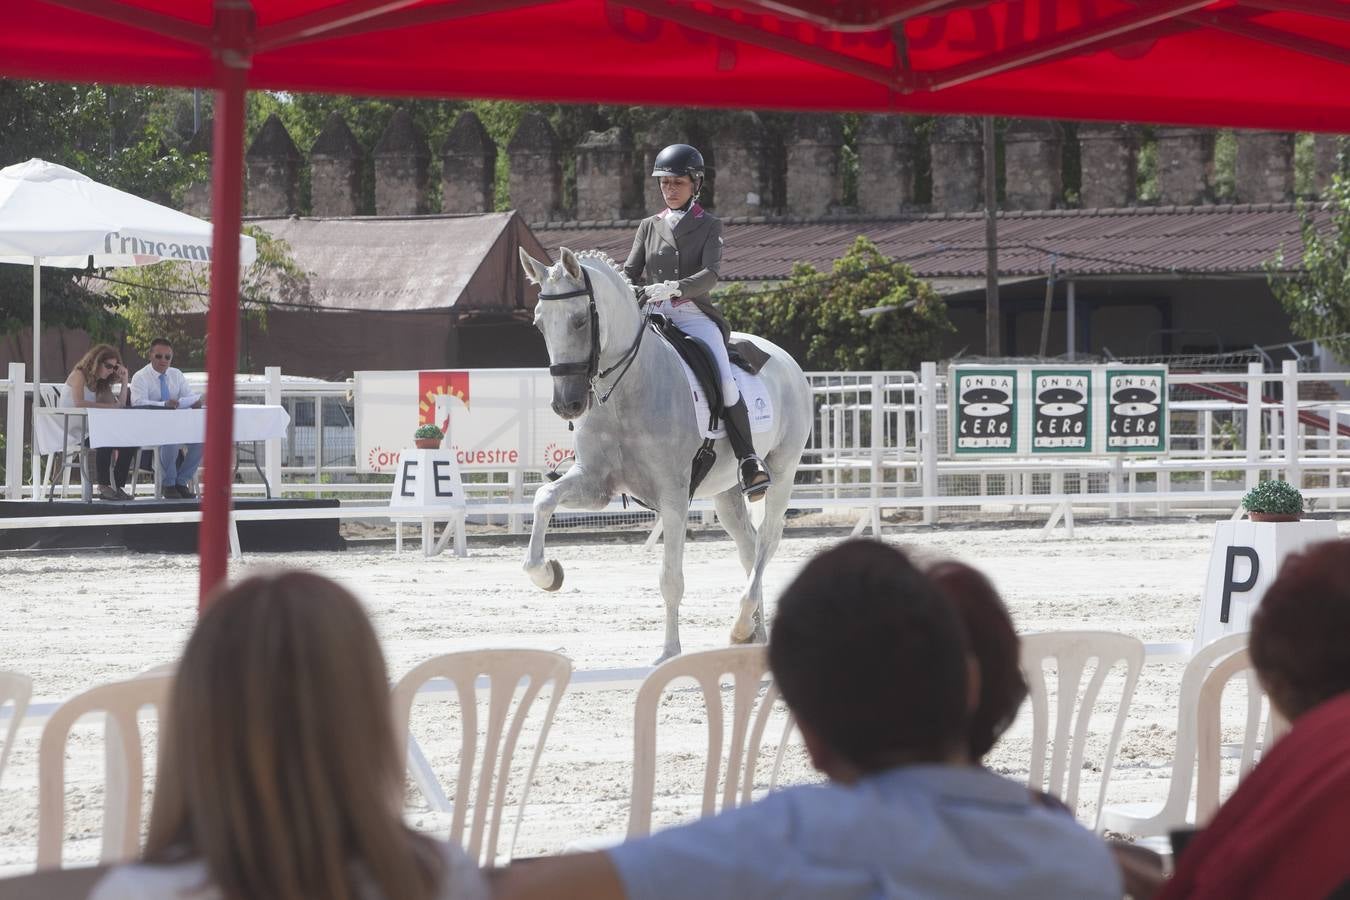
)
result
[(677, 160)]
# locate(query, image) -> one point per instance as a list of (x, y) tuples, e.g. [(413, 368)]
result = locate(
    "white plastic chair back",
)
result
[(1071, 651), (121, 702), (747, 667), (485, 791), (48, 428), (54, 884), (15, 691), (1147, 820), (1209, 741)]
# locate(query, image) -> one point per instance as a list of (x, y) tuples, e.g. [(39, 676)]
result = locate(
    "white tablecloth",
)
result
[(153, 427)]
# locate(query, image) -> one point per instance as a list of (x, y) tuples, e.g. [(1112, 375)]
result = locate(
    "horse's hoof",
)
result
[(665, 655), (737, 639), (556, 570)]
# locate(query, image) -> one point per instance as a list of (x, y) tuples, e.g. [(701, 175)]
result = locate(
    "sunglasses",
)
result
[(110, 364), (162, 356)]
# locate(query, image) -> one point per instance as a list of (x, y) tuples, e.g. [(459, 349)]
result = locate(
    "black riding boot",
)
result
[(754, 474)]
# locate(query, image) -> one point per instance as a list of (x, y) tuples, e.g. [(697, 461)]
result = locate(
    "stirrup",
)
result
[(755, 478)]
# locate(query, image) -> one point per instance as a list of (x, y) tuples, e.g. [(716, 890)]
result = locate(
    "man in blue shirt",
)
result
[(873, 663)]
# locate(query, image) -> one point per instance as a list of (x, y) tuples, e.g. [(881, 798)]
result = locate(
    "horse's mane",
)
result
[(607, 262), (602, 256)]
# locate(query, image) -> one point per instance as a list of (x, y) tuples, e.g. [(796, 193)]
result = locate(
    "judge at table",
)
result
[(161, 385)]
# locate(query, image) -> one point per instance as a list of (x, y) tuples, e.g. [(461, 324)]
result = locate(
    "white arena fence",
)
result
[(879, 452)]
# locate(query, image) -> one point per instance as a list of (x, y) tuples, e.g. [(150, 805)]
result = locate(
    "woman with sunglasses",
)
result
[(91, 385)]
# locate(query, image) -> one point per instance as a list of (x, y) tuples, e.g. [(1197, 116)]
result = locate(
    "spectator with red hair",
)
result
[(1283, 832), (995, 647)]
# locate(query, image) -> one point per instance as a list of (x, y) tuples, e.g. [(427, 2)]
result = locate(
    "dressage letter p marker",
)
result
[(1229, 585)]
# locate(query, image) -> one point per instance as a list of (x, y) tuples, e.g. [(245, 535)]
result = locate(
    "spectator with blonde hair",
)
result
[(280, 776)]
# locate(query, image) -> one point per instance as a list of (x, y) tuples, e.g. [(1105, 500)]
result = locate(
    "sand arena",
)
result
[(72, 622)]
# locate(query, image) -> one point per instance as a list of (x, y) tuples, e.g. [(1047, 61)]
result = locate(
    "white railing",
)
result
[(880, 443)]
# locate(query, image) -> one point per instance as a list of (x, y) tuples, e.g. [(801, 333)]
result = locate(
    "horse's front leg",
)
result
[(674, 519), (575, 491)]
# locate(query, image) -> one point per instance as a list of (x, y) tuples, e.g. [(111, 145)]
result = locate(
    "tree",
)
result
[(818, 318), (1317, 294), (156, 301)]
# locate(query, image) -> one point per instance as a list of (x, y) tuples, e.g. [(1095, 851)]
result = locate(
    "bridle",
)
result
[(591, 367)]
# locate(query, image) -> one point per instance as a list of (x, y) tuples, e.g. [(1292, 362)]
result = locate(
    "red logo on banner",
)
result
[(431, 385)]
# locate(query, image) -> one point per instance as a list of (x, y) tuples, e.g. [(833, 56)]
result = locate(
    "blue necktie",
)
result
[(163, 388)]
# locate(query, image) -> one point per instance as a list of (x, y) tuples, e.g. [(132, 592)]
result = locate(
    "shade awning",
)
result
[(1240, 63), (68, 220)]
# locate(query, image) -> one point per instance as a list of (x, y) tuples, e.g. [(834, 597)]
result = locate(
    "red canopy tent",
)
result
[(1279, 64)]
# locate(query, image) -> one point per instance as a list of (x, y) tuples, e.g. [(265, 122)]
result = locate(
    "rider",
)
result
[(678, 250)]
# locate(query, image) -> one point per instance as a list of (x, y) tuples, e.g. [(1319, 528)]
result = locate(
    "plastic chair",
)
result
[(1144, 819), (147, 462), (504, 670), (1071, 651), (748, 667), (15, 691), (69, 455), (55, 884), (1209, 744), (121, 702)]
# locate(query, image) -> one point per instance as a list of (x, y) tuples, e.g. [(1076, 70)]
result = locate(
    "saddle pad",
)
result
[(757, 402)]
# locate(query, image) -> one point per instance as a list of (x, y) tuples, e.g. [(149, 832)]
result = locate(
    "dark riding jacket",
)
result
[(691, 254)]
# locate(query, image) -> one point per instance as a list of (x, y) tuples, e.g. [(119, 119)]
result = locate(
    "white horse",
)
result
[(637, 431)]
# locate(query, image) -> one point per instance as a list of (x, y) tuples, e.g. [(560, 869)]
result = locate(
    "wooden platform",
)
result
[(271, 536)]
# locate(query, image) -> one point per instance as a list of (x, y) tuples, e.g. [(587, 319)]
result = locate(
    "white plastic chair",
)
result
[(56, 442), (504, 670), (1071, 651), (1145, 819), (121, 702), (748, 667), (54, 884), (1209, 744), (15, 691)]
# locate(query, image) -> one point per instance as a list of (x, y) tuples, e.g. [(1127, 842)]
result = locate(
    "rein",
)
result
[(591, 367)]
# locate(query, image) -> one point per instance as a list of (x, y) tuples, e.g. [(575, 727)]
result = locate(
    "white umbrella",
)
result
[(54, 216)]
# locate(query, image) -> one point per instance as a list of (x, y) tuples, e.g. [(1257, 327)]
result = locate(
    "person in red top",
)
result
[(1285, 832)]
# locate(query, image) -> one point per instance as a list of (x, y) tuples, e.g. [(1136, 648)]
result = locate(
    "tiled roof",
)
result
[(1164, 241)]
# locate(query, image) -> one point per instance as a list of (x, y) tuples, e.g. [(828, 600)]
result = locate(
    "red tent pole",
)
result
[(233, 26)]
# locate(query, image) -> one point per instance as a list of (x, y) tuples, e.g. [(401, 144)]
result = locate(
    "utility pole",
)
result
[(992, 345)]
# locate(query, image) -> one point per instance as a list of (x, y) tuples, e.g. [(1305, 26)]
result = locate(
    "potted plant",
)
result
[(428, 437), (1273, 501)]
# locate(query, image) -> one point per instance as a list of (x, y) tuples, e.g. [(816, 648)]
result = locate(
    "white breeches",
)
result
[(695, 323)]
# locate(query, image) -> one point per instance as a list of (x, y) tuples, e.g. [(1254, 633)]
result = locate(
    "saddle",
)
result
[(701, 363)]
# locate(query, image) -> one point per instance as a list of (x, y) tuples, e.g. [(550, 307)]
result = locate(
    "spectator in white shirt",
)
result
[(160, 385)]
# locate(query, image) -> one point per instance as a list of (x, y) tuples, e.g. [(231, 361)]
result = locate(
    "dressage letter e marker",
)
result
[(409, 476), (442, 478)]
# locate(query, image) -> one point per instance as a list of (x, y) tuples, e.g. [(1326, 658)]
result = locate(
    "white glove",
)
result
[(666, 290)]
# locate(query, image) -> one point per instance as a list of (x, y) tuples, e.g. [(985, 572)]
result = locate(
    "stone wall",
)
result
[(806, 166)]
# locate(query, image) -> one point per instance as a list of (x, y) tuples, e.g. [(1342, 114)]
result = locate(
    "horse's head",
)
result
[(564, 316)]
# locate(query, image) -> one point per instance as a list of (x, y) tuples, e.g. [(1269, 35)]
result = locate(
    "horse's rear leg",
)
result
[(735, 518), (573, 490), (674, 518), (749, 623)]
